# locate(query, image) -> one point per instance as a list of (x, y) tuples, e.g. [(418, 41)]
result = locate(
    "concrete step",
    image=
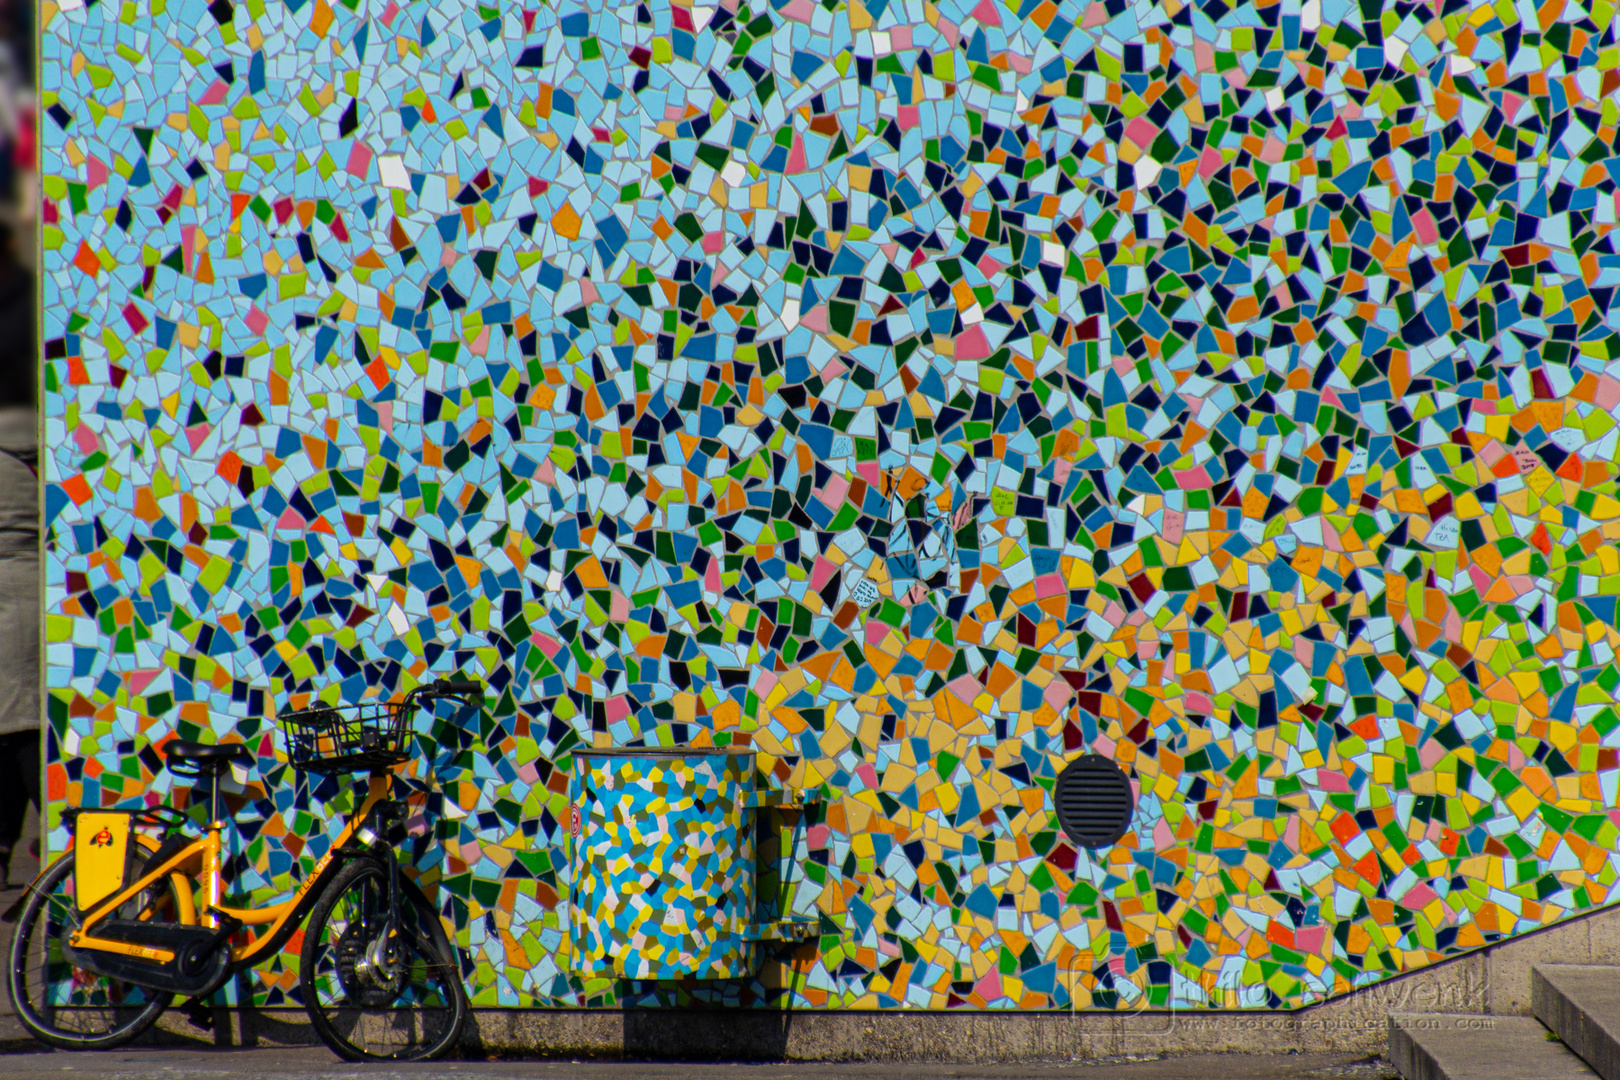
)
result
[(1581, 1004), (1444, 1046)]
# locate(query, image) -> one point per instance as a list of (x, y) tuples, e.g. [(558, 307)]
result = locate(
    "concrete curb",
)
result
[(1434, 1046), (1581, 1004), (974, 1038)]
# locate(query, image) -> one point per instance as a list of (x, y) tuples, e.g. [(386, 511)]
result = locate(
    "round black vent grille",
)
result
[(1094, 802)]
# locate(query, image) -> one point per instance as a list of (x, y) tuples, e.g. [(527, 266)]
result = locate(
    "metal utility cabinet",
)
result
[(664, 863)]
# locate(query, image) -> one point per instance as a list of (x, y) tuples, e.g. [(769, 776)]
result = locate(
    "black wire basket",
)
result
[(347, 738)]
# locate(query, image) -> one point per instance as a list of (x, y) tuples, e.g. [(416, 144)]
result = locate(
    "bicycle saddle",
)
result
[(204, 754)]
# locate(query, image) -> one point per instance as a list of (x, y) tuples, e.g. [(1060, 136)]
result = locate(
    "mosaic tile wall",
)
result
[(922, 394)]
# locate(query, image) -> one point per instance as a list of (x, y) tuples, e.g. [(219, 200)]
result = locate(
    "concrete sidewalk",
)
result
[(24, 868), (319, 1064)]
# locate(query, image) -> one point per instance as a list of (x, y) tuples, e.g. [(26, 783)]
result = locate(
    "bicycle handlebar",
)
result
[(450, 688)]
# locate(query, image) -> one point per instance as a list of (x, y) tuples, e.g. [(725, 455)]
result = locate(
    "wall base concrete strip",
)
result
[(1435, 1046), (841, 1037), (1581, 1004)]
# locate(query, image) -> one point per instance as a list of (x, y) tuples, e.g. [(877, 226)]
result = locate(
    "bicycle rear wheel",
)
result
[(70, 1007), (372, 998)]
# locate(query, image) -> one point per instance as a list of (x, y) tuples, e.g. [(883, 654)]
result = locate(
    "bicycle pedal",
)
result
[(198, 1014)]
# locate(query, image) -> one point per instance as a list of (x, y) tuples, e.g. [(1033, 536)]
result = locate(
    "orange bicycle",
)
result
[(110, 932)]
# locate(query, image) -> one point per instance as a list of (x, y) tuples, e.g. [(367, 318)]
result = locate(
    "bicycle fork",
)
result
[(377, 961), (383, 947)]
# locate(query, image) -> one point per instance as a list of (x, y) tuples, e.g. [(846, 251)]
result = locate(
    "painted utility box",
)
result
[(663, 862)]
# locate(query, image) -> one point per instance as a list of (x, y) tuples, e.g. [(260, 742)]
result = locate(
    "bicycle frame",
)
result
[(205, 853)]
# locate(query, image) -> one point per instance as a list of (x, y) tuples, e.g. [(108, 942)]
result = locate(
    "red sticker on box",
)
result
[(573, 813)]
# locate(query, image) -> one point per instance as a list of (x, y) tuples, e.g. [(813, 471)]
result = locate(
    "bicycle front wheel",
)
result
[(67, 1006), (375, 997)]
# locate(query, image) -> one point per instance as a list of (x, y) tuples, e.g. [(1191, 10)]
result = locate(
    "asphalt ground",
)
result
[(317, 1063)]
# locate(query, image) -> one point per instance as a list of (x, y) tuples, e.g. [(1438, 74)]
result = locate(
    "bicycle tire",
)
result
[(45, 1019), (328, 967)]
